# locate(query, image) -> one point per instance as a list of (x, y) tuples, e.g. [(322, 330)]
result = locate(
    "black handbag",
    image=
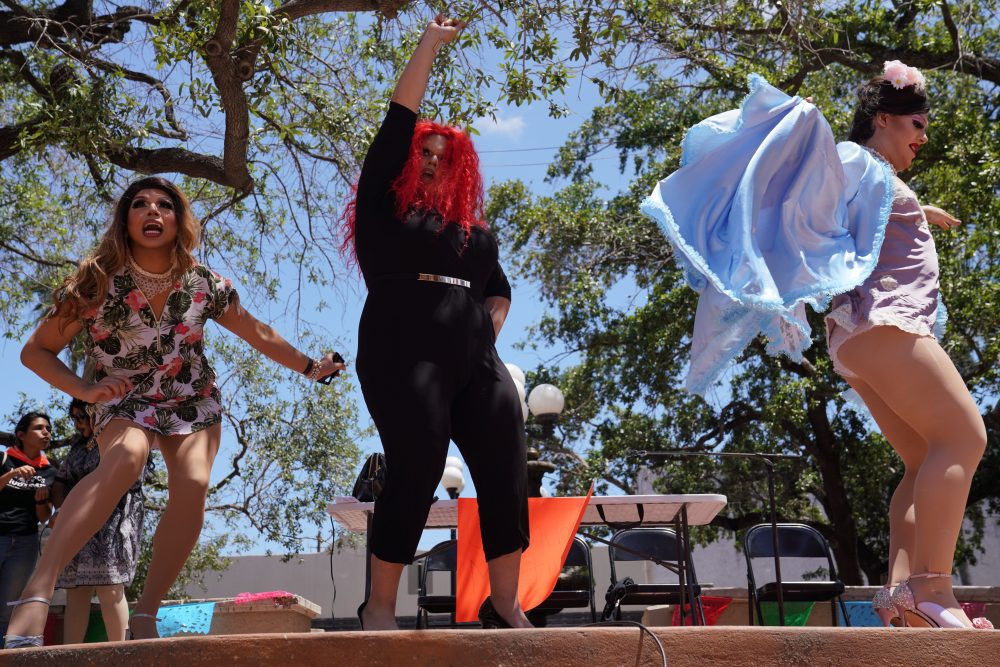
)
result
[(371, 481)]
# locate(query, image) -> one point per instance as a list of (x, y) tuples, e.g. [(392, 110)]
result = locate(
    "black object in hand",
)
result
[(337, 359)]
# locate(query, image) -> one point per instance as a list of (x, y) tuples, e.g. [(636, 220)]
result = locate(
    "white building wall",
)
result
[(308, 575)]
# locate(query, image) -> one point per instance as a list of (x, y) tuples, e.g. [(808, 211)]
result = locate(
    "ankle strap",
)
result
[(15, 603), (146, 616)]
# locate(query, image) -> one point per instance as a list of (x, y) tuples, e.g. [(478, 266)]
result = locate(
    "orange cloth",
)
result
[(552, 523)]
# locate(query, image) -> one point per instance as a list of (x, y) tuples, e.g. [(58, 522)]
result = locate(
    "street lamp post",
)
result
[(545, 402)]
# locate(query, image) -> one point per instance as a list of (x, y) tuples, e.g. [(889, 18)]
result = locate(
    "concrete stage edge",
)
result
[(556, 647)]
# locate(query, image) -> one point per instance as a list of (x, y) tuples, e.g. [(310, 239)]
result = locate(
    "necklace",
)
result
[(881, 158), (150, 283)]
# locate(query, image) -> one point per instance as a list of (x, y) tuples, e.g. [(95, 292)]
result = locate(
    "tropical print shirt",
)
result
[(174, 390)]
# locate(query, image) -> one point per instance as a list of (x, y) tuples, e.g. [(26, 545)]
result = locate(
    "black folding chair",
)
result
[(571, 595), (662, 544), (795, 540), (442, 559)]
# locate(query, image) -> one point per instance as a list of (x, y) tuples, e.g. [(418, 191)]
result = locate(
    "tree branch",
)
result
[(949, 23), (10, 137), (218, 57), (180, 160), (71, 20), (297, 9), (18, 59)]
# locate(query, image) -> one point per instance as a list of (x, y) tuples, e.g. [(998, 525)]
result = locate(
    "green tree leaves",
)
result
[(624, 388)]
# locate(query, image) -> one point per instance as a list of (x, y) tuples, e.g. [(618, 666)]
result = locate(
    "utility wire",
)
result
[(521, 150), (538, 164), (642, 628)]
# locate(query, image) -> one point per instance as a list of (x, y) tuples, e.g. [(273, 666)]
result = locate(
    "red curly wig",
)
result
[(456, 192)]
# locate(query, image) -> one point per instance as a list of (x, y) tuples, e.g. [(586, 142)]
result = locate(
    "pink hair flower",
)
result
[(901, 75)]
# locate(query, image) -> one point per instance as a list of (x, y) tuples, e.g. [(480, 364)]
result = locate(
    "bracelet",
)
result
[(314, 372), (309, 368)]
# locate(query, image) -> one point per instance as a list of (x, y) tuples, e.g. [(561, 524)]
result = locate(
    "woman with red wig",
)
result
[(427, 363)]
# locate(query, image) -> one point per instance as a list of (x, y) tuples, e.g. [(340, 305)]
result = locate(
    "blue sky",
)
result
[(518, 143)]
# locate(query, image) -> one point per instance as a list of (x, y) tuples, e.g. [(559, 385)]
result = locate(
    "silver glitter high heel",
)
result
[(902, 599), (884, 608), (24, 641)]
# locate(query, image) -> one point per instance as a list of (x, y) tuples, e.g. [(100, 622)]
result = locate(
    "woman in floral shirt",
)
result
[(142, 301), (163, 357)]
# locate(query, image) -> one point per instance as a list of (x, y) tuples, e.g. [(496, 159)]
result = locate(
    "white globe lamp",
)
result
[(516, 373), (453, 481)]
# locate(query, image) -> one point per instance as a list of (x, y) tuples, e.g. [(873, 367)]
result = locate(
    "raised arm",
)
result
[(269, 342), (413, 81)]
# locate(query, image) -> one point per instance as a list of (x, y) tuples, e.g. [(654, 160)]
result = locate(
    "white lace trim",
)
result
[(842, 316), (881, 319)]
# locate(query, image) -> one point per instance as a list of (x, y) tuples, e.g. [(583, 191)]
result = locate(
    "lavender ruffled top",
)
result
[(903, 289)]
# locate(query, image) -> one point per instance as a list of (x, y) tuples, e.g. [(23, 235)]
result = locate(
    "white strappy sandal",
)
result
[(24, 641), (128, 632)]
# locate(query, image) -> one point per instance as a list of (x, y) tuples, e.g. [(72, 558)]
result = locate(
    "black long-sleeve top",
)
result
[(420, 243)]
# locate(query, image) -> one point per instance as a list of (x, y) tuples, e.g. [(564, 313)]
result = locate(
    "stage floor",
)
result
[(556, 647)]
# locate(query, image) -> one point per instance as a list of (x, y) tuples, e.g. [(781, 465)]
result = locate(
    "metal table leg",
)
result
[(682, 569), (368, 554), (697, 610)]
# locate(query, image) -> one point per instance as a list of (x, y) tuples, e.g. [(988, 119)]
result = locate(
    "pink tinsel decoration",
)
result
[(245, 598)]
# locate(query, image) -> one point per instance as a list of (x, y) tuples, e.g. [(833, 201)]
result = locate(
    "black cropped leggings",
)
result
[(430, 373)]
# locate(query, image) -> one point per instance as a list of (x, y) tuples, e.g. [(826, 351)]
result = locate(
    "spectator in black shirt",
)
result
[(25, 478)]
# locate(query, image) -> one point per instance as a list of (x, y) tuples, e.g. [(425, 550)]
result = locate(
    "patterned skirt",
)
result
[(111, 555)]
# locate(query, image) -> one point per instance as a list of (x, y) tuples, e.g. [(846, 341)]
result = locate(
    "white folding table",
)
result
[(680, 510)]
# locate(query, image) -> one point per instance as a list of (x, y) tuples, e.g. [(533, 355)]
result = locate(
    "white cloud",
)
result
[(512, 127)]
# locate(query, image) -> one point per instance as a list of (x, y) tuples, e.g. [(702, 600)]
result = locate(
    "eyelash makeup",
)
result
[(164, 204)]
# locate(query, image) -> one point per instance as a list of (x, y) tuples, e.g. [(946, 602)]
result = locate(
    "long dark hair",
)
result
[(877, 95), (87, 287)]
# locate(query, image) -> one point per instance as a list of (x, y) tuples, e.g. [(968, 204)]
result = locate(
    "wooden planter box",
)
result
[(293, 614), (280, 615)]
